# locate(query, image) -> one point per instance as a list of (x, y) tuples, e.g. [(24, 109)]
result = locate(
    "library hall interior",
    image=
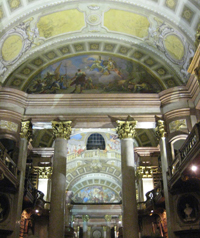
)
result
[(99, 119)]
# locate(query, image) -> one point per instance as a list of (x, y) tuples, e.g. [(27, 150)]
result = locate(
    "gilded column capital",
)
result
[(45, 172), (126, 129), (160, 129), (108, 218), (26, 129), (85, 218), (62, 129)]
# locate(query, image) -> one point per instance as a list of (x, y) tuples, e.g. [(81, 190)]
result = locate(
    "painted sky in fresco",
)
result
[(94, 74), (96, 194)]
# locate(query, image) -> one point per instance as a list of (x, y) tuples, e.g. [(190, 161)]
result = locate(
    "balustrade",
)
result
[(7, 161), (185, 153)]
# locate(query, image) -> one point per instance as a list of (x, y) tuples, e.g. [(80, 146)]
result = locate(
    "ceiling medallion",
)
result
[(94, 19)]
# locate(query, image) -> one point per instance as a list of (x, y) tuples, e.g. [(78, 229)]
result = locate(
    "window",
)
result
[(95, 141)]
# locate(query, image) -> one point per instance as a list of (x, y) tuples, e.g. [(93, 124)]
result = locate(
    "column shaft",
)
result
[(167, 195), (20, 194), (130, 213), (57, 213)]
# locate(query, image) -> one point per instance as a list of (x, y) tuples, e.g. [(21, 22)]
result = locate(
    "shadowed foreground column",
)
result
[(126, 132), (25, 135), (62, 132)]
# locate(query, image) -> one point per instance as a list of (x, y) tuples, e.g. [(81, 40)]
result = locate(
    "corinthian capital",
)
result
[(126, 129), (26, 129), (160, 129), (62, 129)]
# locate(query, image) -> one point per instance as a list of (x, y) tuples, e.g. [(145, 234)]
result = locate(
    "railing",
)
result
[(153, 197), (7, 161), (185, 154), (93, 154)]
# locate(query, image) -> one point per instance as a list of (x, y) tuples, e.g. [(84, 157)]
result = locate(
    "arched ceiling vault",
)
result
[(157, 35)]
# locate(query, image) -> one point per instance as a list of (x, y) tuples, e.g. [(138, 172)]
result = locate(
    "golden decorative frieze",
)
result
[(145, 172), (160, 129), (62, 129), (26, 129), (126, 129)]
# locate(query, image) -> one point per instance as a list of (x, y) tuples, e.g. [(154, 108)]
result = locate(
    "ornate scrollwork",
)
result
[(62, 129), (26, 130), (160, 129), (126, 129)]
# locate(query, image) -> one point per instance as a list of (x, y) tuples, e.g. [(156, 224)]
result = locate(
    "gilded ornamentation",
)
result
[(161, 71), (160, 129), (123, 50), (137, 55), (14, 4), (197, 72), (62, 129), (26, 129), (38, 62), (94, 46), (144, 172), (79, 47), (177, 125), (108, 218), (197, 36), (65, 50), (8, 125), (45, 172), (16, 82), (187, 14), (85, 218), (51, 55), (109, 47), (26, 71), (126, 129)]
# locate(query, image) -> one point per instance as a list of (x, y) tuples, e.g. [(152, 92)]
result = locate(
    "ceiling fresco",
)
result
[(94, 74), (158, 35)]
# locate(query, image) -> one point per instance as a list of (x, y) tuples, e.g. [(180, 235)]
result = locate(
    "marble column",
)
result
[(62, 132), (161, 135), (108, 219), (89, 231), (25, 135), (126, 132), (104, 231), (85, 227)]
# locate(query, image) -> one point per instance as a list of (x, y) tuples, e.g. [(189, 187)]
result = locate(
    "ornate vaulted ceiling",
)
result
[(149, 44)]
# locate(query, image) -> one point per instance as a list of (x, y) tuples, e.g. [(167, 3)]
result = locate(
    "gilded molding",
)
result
[(26, 129), (45, 172), (160, 129), (126, 129), (62, 129)]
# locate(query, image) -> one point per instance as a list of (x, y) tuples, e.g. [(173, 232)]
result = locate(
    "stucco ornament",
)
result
[(126, 129), (61, 129), (160, 129), (26, 129)]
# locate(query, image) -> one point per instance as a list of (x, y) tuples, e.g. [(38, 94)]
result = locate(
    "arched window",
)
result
[(95, 141)]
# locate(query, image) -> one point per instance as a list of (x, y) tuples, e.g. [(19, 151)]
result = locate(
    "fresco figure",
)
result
[(79, 80)]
